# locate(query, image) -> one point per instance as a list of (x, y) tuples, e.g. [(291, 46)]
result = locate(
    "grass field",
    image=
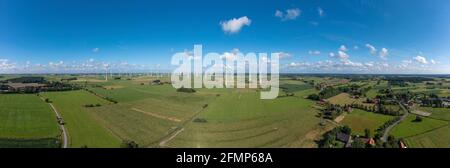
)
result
[(241, 119), (439, 138), (409, 127), (26, 116), (83, 128), (341, 99), (148, 120), (437, 113), (360, 120)]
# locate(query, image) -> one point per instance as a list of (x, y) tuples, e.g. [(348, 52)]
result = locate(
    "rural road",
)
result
[(388, 129), (64, 133), (61, 126)]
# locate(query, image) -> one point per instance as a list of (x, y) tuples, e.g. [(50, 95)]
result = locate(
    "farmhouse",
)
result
[(25, 87), (344, 138)]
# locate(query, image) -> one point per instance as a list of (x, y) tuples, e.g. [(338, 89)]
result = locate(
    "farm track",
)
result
[(61, 126), (157, 115)]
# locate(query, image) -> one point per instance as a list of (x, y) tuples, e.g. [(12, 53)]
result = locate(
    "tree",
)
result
[(129, 144), (367, 133), (346, 130), (358, 143), (418, 119)]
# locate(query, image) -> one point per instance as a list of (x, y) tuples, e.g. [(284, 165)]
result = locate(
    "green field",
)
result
[(148, 120), (359, 120), (27, 121), (439, 138), (26, 116), (341, 99), (83, 128), (409, 127), (241, 119), (437, 113)]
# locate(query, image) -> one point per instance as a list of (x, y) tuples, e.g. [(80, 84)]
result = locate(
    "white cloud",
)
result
[(342, 55), (372, 49), (432, 61), (283, 55), (331, 54), (315, 52), (421, 59), (321, 12), (6, 65), (290, 14), (355, 47), (235, 25), (343, 48), (95, 50), (384, 53)]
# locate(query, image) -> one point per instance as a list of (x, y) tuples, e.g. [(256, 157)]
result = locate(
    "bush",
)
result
[(200, 120), (186, 90), (418, 119), (129, 144)]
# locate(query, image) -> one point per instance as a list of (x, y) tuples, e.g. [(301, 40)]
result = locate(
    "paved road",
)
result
[(388, 129)]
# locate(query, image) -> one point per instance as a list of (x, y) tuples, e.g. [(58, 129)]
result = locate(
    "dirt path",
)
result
[(63, 129), (163, 142), (157, 115)]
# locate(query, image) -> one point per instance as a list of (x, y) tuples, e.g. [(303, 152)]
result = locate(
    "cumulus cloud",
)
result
[(384, 53), (289, 14), (235, 25), (342, 55), (314, 52), (372, 49), (343, 48), (331, 54), (6, 65), (421, 59), (432, 61), (283, 55)]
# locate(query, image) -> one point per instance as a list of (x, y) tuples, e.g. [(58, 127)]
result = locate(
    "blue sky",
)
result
[(346, 36)]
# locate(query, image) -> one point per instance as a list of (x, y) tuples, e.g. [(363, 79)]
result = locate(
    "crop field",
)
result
[(83, 128), (148, 120), (437, 113), (241, 119), (26, 118), (439, 138), (410, 127), (341, 99), (360, 120), (132, 108)]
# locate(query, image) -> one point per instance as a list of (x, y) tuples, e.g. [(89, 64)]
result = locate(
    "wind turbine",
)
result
[(106, 71)]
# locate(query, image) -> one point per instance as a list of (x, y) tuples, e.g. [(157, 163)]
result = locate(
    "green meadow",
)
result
[(360, 120), (83, 128), (26, 120), (410, 127)]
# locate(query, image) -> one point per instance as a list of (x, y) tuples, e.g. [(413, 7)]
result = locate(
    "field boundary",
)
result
[(157, 115)]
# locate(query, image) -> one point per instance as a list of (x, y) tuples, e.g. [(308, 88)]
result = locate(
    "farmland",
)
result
[(438, 138), (134, 109), (83, 128), (410, 127), (26, 118), (360, 120)]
